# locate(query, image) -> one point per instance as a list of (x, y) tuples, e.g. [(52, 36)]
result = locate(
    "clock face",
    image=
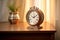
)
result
[(33, 18)]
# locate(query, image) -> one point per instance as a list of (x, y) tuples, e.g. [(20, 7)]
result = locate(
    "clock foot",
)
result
[(34, 28)]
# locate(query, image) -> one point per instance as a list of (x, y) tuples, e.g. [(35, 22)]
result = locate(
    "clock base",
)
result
[(31, 28)]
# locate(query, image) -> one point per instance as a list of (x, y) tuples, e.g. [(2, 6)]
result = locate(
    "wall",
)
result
[(21, 5), (58, 20), (0, 8), (4, 11)]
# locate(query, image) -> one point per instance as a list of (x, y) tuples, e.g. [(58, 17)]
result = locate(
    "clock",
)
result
[(34, 16)]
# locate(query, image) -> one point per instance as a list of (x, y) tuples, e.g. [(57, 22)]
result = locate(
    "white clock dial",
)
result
[(33, 18)]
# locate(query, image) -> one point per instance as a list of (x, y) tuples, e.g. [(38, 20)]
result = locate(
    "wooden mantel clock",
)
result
[(34, 16)]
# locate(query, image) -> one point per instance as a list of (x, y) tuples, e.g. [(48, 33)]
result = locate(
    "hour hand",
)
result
[(34, 16)]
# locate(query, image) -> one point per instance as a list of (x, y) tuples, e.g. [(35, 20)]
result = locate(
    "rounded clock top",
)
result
[(34, 16)]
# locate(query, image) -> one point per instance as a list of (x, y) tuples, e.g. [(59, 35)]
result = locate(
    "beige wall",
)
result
[(58, 20), (4, 11), (0, 9), (21, 5)]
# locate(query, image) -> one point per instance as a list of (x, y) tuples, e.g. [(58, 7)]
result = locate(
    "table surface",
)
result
[(23, 26)]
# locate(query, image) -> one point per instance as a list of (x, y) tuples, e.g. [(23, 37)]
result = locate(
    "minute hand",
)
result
[(34, 16)]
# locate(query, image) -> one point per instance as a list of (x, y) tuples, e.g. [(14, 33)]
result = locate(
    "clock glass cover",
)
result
[(34, 16)]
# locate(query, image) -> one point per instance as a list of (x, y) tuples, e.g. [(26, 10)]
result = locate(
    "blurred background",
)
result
[(50, 8)]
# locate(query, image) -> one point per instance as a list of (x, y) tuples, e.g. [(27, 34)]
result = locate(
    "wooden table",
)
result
[(23, 31)]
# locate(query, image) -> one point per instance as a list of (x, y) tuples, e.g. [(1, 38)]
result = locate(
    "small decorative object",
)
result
[(13, 15), (34, 16)]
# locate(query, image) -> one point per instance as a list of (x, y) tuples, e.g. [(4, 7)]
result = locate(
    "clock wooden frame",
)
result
[(40, 13)]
